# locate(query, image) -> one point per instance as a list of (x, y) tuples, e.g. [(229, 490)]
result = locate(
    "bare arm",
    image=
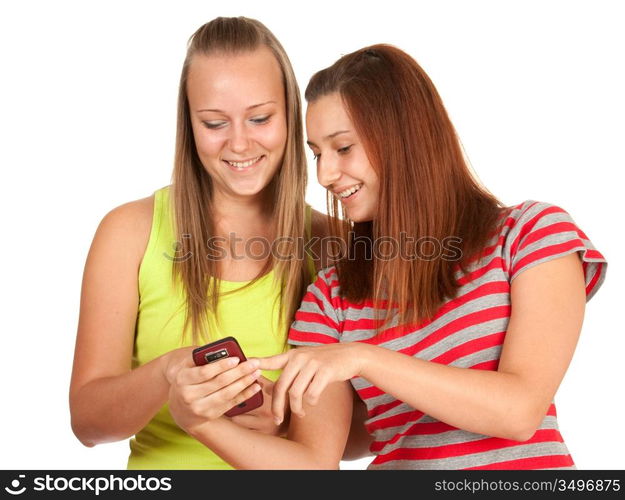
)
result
[(548, 303), (314, 442), (103, 393), (109, 400), (359, 439)]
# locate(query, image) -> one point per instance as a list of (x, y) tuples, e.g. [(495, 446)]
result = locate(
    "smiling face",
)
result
[(237, 109), (342, 164)]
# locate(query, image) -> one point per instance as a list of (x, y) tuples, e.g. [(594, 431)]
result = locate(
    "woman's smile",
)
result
[(242, 166)]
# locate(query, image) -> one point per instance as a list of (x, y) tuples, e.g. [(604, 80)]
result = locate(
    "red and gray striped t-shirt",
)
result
[(468, 332)]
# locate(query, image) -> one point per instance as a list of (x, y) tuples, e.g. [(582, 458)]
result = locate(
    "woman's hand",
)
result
[(307, 371), (200, 394), (174, 360), (262, 419)]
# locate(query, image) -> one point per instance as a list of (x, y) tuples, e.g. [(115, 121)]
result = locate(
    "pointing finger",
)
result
[(274, 362)]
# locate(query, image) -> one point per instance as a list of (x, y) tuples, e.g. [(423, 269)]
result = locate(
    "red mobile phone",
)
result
[(223, 348)]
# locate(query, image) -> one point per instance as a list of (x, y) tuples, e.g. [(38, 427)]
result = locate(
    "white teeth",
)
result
[(243, 164), (350, 191)]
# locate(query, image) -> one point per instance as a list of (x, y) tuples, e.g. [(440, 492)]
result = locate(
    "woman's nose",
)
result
[(327, 172), (239, 139)]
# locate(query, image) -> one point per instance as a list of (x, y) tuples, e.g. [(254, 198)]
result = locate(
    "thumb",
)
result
[(276, 362)]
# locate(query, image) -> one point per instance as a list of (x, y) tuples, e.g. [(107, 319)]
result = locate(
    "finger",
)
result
[(280, 389), (276, 362), (316, 388), (229, 376), (216, 404), (173, 369), (245, 394), (187, 362), (200, 374), (224, 373), (230, 392), (299, 387), (226, 385)]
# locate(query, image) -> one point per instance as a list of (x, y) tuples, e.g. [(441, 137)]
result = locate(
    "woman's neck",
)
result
[(244, 206), (241, 214)]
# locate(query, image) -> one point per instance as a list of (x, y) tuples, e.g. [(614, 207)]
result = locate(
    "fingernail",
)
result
[(233, 361), (256, 374), (255, 362), (257, 387), (277, 420)]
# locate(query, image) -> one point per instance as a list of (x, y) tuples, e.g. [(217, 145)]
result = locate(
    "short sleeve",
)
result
[(316, 321), (543, 232)]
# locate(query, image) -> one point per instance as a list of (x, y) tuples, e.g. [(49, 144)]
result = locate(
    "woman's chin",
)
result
[(248, 190), (356, 215)]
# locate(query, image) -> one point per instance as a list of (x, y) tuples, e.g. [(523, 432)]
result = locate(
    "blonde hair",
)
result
[(192, 186)]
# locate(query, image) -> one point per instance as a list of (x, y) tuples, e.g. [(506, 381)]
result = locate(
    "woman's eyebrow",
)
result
[(329, 136), (247, 109)]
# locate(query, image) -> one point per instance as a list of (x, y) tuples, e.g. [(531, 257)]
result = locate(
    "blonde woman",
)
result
[(190, 263)]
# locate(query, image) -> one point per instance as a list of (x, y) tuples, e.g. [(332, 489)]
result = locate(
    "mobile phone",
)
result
[(224, 348)]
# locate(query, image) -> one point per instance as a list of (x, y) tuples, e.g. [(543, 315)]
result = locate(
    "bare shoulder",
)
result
[(133, 215), (129, 225), (123, 233)]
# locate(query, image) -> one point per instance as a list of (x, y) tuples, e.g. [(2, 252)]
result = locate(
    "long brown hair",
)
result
[(426, 187), (192, 187)]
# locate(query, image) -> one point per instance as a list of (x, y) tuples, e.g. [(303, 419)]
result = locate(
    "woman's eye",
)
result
[(344, 150), (316, 156), (260, 119), (214, 125)]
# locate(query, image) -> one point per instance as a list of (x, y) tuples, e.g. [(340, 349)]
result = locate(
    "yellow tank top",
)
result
[(251, 315)]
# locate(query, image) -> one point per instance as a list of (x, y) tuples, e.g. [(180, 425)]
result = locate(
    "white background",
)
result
[(87, 122)]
